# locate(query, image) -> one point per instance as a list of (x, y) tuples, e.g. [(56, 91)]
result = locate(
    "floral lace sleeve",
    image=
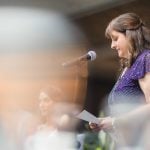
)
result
[(141, 66)]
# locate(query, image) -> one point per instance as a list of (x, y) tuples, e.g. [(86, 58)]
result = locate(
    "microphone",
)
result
[(91, 55)]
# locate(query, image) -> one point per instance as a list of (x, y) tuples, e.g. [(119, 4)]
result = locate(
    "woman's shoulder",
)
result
[(141, 65), (144, 53), (142, 57)]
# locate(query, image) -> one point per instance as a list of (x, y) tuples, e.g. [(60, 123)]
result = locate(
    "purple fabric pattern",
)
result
[(126, 93)]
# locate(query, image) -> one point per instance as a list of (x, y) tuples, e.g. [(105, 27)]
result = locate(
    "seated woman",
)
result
[(54, 130)]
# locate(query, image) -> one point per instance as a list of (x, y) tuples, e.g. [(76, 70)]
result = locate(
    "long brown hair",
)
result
[(138, 35)]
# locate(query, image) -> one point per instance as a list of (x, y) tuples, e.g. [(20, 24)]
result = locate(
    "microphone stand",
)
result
[(81, 74)]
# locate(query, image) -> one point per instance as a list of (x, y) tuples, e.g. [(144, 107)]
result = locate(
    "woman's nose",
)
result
[(41, 104), (113, 44)]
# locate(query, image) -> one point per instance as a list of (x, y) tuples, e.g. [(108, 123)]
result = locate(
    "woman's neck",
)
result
[(124, 71)]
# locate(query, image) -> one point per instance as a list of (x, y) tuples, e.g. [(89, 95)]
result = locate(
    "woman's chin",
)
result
[(44, 114), (121, 56)]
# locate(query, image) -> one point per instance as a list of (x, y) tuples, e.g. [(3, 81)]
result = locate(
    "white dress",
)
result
[(50, 140)]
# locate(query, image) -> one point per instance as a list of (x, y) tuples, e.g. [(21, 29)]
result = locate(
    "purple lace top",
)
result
[(126, 93)]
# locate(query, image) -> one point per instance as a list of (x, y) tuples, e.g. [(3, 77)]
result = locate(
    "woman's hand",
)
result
[(106, 124), (94, 126)]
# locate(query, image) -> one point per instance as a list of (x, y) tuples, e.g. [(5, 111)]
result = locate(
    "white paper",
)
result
[(86, 116)]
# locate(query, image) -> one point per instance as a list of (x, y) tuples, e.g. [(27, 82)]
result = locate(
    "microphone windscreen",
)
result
[(92, 55)]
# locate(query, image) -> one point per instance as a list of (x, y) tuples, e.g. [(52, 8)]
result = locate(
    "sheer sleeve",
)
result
[(147, 63), (141, 66)]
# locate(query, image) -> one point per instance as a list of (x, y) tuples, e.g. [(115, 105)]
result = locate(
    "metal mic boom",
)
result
[(91, 55)]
